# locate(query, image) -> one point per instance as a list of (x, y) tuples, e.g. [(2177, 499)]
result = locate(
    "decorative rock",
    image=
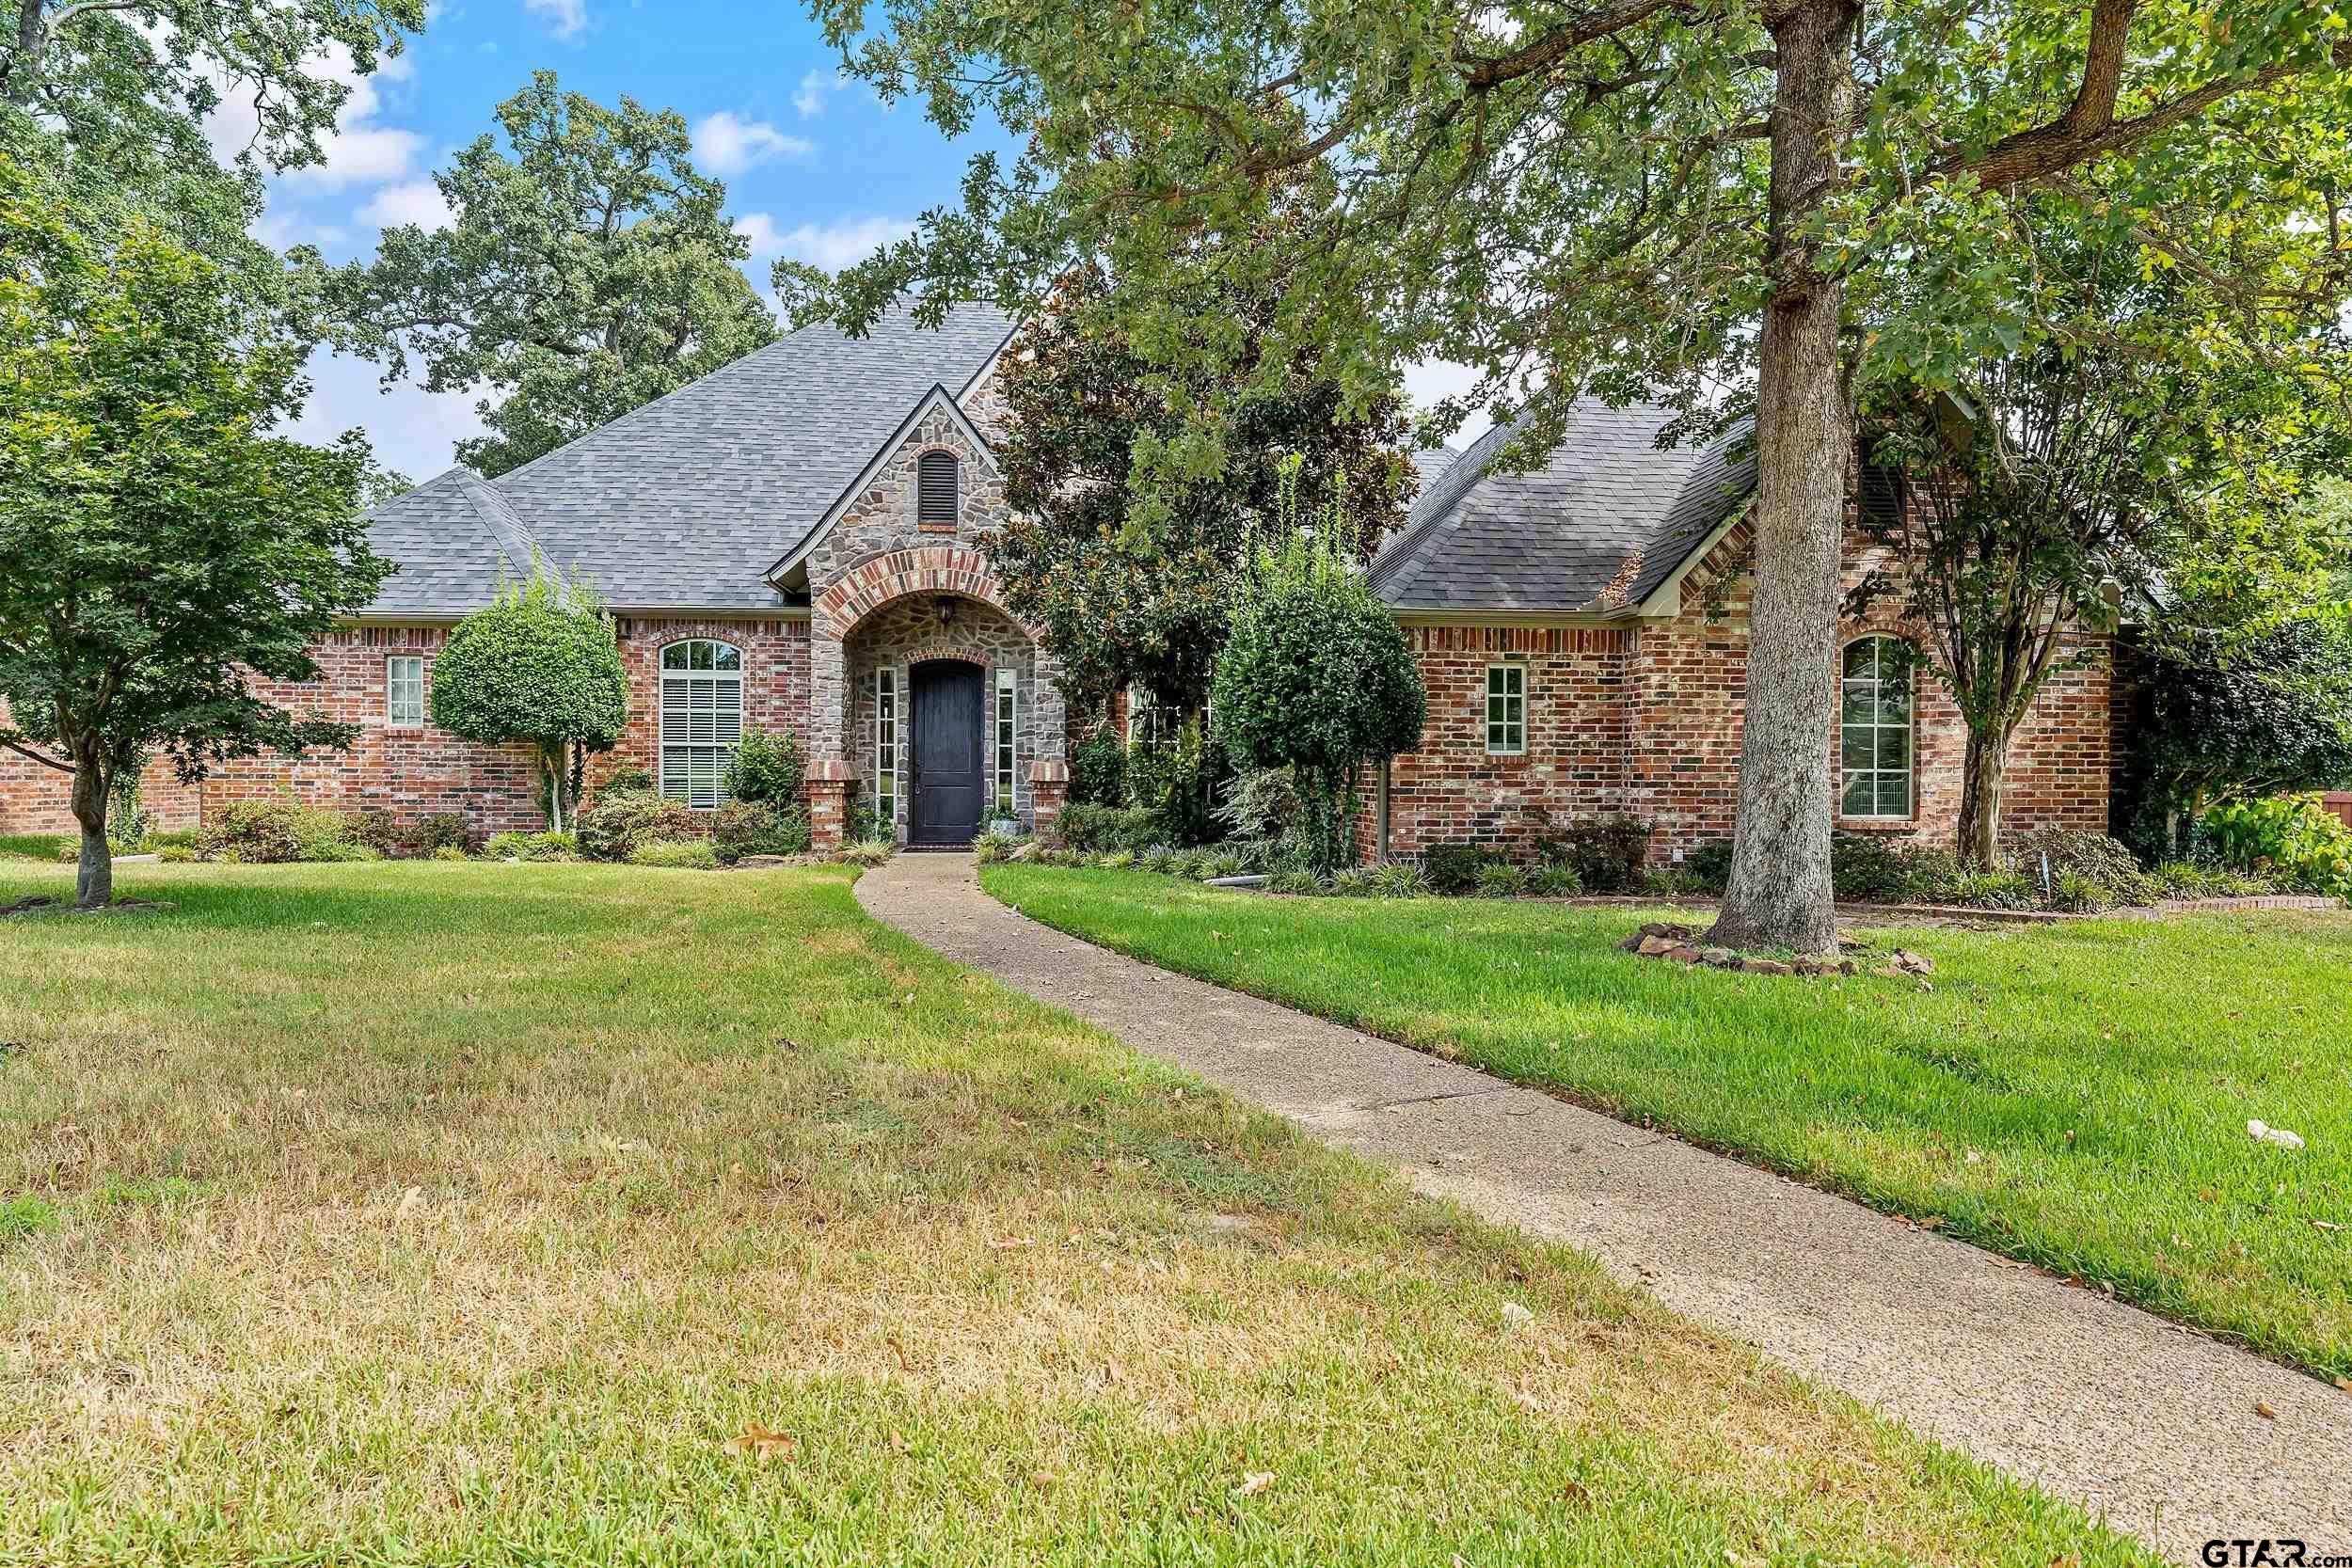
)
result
[(1515, 1316), (1907, 962), (1764, 966), (1632, 944), (1653, 947), (1718, 957), (1683, 955)]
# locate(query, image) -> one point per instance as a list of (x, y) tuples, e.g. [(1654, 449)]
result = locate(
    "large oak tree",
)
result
[(1782, 198), (585, 272)]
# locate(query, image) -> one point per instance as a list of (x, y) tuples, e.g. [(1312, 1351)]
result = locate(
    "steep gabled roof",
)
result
[(454, 537), (937, 398), (1607, 516), (684, 503)]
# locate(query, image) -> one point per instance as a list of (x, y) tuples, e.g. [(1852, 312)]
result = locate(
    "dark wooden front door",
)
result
[(946, 804)]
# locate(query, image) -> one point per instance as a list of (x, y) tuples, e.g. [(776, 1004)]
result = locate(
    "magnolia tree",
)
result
[(157, 546), (1763, 206), (540, 666)]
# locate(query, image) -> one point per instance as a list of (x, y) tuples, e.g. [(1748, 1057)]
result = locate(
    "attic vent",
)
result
[(1881, 497), (937, 478)]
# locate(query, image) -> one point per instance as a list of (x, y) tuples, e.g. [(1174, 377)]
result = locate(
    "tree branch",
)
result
[(46, 761)]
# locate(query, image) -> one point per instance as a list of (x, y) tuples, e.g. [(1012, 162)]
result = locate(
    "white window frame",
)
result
[(888, 741), (1873, 689), (395, 685), (1505, 717), (694, 766), (1004, 738), (1145, 718)]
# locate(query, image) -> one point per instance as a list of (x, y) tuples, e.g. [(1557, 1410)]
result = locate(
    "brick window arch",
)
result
[(938, 490), (1877, 745)]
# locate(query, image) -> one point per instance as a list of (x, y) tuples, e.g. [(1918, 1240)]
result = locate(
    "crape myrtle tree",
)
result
[(158, 545), (1610, 196), (1130, 580), (587, 273), (2093, 468), (540, 665)]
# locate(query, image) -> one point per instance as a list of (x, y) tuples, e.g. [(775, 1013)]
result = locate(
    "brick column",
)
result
[(828, 784), (1049, 789)]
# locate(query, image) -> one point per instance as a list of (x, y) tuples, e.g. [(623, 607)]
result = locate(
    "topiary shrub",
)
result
[(676, 854), (618, 820), (1452, 869), (765, 769), (540, 666), (1316, 676)]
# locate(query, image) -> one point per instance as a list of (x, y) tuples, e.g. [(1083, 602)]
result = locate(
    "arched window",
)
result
[(938, 490), (1874, 728), (702, 717)]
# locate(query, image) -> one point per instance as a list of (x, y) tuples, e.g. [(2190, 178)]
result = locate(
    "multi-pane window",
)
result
[(1145, 717), (702, 717), (886, 748), (1506, 710), (403, 689), (1874, 728), (1004, 734)]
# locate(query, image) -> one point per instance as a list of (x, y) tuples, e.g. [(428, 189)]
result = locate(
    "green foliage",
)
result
[(1123, 552), (278, 831), (2292, 837), (1178, 778), (1091, 830), (449, 852), (549, 846), (1559, 882), (989, 847), (613, 824), (1098, 769), (765, 769), (540, 665), (742, 828), (2212, 713), (586, 274), (2187, 879), (24, 1215), (869, 851), (1501, 879), (1454, 869), (629, 777), (1399, 880), (2093, 859), (1606, 853), (676, 854), (1261, 802), (1298, 884), (441, 831), (1317, 677), (158, 543)]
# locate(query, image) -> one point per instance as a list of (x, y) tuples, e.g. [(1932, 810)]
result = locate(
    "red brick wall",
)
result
[(419, 770)]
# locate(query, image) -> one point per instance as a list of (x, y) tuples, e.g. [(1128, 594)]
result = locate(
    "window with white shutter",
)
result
[(702, 717)]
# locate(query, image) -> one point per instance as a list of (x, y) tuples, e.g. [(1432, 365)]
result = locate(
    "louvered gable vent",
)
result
[(937, 477)]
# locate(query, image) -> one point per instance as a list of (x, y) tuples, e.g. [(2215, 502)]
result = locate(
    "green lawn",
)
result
[(31, 846), (465, 1214), (2076, 1095)]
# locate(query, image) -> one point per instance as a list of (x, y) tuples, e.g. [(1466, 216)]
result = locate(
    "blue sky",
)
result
[(815, 167)]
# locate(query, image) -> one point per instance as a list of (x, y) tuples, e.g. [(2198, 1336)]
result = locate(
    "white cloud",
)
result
[(417, 201), (565, 18), (830, 245), (284, 230), (1433, 379), (412, 429), (727, 144), (809, 98), (358, 151)]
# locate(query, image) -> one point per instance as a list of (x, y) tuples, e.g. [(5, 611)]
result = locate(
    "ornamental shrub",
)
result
[(275, 832), (1605, 852), (2092, 859), (676, 854), (1501, 879), (613, 824), (1317, 677), (765, 771), (549, 846), (1452, 869), (1098, 769), (2294, 838), (742, 827), (1094, 830), (538, 666)]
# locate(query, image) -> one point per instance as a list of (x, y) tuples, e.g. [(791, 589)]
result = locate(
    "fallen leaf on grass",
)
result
[(2344, 1383), (762, 1444), (1253, 1483), (1008, 1243), (1577, 1491)]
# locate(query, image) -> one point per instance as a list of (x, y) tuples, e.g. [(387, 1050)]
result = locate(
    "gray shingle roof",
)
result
[(684, 503), (1430, 463), (1609, 512)]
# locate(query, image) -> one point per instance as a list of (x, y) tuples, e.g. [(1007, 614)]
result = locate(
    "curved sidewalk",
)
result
[(2147, 1423)]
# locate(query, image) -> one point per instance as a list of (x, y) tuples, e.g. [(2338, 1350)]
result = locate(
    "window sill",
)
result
[(1876, 824)]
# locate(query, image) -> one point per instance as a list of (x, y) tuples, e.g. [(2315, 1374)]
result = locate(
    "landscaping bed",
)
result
[(2077, 1094), (640, 1220)]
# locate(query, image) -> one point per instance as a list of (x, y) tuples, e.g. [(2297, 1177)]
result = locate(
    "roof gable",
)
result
[(938, 398)]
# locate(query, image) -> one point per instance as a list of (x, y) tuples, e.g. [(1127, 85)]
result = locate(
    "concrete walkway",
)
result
[(2154, 1427)]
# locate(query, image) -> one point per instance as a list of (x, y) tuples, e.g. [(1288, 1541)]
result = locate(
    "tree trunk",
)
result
[(553, 760), (94, 888), (1779, 891), (1981, 777)]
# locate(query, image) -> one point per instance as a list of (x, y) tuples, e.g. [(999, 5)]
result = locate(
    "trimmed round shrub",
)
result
[(765, 769), (618, 820)]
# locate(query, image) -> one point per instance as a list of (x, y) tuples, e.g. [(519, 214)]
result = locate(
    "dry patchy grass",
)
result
[(463, 1215)]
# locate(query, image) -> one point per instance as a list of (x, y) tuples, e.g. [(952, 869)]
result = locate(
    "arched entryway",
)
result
[(946, 754)]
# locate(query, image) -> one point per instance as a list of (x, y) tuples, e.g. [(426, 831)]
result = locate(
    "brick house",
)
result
[(791, 543)]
